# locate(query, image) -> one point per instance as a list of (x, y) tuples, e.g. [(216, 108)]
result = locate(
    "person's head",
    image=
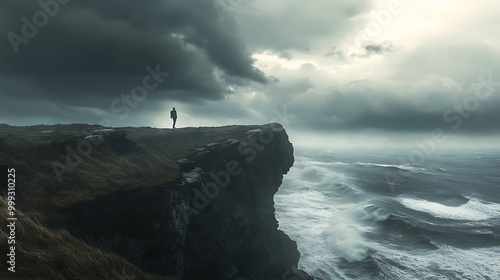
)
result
[(174, 109)]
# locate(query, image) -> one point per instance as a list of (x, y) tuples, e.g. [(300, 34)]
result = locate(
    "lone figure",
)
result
[(173, 116)]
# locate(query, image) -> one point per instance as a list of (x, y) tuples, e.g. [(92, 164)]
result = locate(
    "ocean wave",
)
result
[(448, 262), (342, 163), (473, 210), (345, 234), (334, 185), (312, 175), (327, 205), (346, 241), (396, 166)]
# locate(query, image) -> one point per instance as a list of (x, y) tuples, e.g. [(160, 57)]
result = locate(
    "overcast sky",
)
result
[(362, 70)]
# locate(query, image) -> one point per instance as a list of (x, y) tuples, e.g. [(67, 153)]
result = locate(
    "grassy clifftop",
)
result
[(40, 153), (59, 165)]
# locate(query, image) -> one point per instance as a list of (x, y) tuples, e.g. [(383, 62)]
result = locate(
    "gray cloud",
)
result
[(283, 25), (92, 51), (380, 48), (394, 107)]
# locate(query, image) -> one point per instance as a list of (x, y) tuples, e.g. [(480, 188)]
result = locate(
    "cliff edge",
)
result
[(194, 203)]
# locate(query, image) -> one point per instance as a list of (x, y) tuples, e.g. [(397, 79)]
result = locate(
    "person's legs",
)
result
[(175, 119)]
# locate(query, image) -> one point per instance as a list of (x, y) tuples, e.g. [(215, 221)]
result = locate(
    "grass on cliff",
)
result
[(33, 151), (43, 253)]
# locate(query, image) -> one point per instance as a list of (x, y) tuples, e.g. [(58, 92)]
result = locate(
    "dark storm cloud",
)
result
[(92, 51)]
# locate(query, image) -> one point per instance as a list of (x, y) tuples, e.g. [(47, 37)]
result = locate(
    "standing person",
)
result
[(173, 116)]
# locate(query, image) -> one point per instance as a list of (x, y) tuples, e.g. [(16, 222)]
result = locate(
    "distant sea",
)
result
[(441, 222)]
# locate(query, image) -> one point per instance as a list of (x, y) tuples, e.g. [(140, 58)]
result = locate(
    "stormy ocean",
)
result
[(441, 222)]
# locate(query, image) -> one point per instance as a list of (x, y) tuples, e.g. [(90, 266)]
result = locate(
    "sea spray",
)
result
[(345, 235)]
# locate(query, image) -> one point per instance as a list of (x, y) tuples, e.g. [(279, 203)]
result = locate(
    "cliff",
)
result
[(194, 203)]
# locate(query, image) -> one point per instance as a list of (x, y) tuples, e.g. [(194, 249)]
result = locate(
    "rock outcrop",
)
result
[(217, 221)]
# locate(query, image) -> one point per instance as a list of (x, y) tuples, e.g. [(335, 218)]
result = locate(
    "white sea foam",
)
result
[(303, 215), (399, 166), (320, 176), (448, 262), (345, 233), (346, 240), (342, 163), (473, 210)]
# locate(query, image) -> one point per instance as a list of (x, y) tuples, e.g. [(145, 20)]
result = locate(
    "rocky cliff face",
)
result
[(217, 221)]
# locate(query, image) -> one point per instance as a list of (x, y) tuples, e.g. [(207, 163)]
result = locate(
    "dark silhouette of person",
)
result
[(173, 116)]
